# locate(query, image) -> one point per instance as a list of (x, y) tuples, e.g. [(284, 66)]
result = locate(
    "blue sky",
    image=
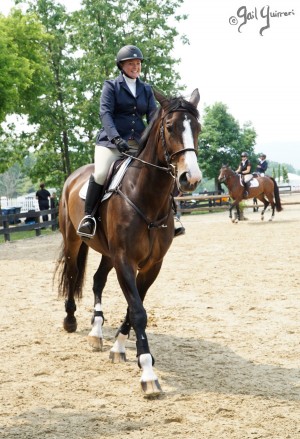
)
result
[(256, 76)]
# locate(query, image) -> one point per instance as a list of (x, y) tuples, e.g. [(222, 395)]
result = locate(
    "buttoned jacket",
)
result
[(122, 113)]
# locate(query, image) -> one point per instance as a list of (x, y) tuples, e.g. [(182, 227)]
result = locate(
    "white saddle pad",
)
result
[(117, 178), (252, 183)]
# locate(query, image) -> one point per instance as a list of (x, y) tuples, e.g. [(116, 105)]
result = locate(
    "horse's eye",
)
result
[(169, 128)]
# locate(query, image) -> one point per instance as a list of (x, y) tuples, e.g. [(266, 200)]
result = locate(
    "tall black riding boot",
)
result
[(87, 226), (245, 190)]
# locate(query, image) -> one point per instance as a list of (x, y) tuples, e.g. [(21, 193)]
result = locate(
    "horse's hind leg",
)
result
[(95, 337), (271, 201), (266, 204), (70, 269)]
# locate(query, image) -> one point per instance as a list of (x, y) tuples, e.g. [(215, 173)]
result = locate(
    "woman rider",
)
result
[(124, 101), (245, 169)]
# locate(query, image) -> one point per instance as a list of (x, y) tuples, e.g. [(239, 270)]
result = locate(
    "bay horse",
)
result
[(135, 227), (266, 190)]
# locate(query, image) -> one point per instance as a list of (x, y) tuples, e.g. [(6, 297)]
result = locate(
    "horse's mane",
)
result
[(173, 104)]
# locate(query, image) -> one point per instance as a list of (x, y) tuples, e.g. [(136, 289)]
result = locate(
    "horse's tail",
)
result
[(71, 277), (277, 197)]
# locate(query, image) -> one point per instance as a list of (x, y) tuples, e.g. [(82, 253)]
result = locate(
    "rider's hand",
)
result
[(121, 144)]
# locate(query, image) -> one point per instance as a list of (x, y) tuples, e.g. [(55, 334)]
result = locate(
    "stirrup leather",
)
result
[(87, 235)]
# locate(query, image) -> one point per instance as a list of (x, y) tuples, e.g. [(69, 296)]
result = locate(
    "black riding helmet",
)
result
[(128, 52)]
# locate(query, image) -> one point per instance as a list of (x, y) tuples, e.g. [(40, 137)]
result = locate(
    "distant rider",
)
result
[(245, 170)]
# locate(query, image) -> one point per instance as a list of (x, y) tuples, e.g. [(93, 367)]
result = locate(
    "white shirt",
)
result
[(131, 84)]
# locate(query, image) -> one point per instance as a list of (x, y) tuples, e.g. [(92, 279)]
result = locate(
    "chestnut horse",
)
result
[(135, 227), (265, 189)]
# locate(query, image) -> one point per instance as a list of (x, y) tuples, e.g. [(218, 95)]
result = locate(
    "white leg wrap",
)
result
[(146, 365), (96, 330), (119, 344)]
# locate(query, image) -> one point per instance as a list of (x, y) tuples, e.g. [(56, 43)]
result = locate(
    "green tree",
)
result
[(23, 66), (80, 55), (23, 76), (285, 175), (222, 140), (279, 173)]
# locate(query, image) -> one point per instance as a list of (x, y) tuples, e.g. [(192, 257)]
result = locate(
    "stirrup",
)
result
[(179, 231), (87, 235)]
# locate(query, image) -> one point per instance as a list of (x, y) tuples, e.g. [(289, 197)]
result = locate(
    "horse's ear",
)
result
[(195, 97), (160, 97)]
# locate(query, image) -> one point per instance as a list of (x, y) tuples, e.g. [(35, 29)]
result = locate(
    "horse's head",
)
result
[(179, 131), (225, 173)]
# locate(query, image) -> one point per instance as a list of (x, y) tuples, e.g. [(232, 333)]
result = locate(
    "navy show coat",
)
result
[(121, 113)]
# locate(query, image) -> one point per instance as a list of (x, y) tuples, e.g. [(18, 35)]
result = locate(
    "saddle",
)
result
[(113, 179), (253, 182)]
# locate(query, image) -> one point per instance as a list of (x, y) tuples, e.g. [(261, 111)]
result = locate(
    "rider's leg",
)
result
[(245, 189), (104, 157), (246, 179), (93, 195)]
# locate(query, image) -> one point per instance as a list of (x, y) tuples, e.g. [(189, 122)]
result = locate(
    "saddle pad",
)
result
[(252, 183), (117, 178)]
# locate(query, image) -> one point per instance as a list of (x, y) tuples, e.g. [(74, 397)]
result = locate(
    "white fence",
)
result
[(25, 203)]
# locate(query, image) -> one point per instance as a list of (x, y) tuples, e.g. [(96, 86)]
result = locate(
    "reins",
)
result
[(169, 169)]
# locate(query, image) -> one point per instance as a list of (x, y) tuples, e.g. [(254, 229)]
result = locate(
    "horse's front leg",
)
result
[(238, 213), (230, 210), (137, 317), (95, 336), (118, 351), (236, 205)]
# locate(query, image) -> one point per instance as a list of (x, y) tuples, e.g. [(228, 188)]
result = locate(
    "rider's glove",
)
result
[(121, 144)]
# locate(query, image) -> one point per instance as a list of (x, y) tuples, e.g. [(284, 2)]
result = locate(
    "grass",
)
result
[(16, 236)]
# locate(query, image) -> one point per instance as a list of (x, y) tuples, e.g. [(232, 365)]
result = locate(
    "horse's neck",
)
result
[(148, 178)]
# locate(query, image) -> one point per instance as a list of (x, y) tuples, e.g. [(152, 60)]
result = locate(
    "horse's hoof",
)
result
[(117, 357), (70, 324), (95, 342), (151, 389)]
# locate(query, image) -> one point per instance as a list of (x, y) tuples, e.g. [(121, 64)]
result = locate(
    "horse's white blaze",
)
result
[(146, 365), (194, 175), (119, 344), (96, 330)]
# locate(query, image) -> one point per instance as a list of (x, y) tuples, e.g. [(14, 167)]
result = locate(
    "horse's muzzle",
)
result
[(185, 185)]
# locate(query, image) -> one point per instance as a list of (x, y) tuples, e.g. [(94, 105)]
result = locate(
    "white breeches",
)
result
[(247, 177), (104, 157)]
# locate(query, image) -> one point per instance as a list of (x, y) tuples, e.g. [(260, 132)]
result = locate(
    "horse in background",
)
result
[(135, 227), (265, 189)]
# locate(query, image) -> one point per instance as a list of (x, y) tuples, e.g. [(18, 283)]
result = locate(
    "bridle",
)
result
[(170, 168), (170, 157)]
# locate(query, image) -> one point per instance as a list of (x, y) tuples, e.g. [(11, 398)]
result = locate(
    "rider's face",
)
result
[(132, 68)]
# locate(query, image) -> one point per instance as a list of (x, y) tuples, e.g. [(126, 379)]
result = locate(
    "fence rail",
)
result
[(12, 222), (210, 203)]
